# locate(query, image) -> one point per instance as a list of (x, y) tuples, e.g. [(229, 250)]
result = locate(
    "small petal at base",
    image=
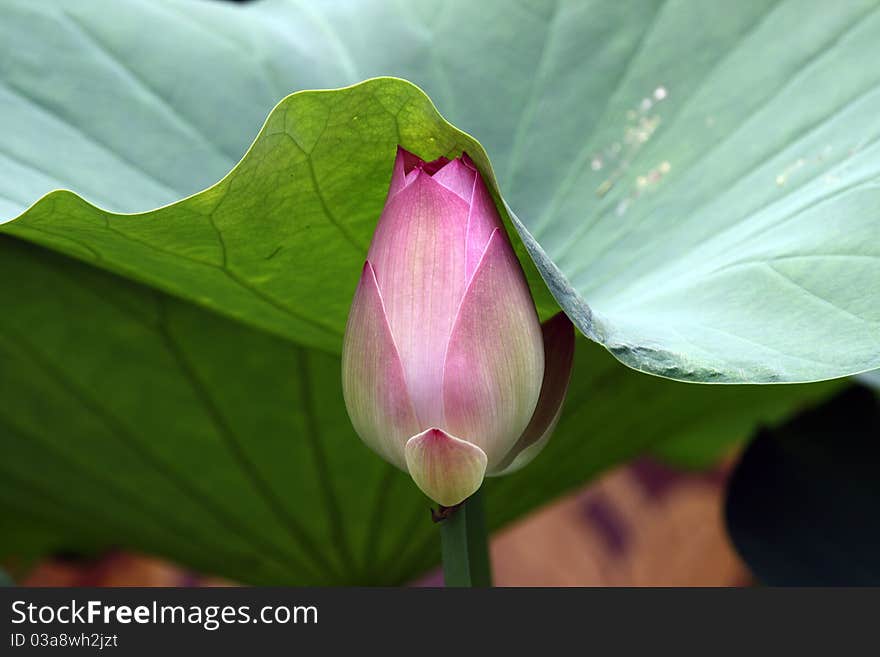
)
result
[(446, 469)]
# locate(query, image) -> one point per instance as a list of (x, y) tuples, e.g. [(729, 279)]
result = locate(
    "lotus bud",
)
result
[(446, 371)]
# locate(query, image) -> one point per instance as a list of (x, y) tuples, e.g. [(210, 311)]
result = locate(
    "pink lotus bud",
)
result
[(446, 370)]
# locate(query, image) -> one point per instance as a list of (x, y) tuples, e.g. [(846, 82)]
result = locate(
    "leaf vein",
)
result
[(248, 469)]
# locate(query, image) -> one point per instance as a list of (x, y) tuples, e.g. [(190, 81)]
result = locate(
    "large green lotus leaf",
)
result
[(213, 456), (704, 177), (129, 418)]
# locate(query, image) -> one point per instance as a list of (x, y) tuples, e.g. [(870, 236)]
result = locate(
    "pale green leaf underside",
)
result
[(726, 233)]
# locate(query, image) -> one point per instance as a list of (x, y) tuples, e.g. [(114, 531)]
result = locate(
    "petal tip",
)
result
[(457, 177)]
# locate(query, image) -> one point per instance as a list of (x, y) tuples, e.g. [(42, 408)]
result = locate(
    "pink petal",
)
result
[(495, 361), (446, 469), (373, 379), (406, 165), (558, 360), (412, 175), (434, 166), (418, 252), (467, 161), (457, 177), (398, 174), (482, 222)]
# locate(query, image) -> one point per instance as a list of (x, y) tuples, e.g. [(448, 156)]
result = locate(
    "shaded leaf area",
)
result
[(802, 504), (144, 422), (705, 448), (697, 184)]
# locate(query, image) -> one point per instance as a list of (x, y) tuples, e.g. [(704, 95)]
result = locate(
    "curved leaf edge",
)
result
[(549, 284), (538, 280)]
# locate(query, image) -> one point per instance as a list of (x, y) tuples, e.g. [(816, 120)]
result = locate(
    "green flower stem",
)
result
[(465, 546)]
